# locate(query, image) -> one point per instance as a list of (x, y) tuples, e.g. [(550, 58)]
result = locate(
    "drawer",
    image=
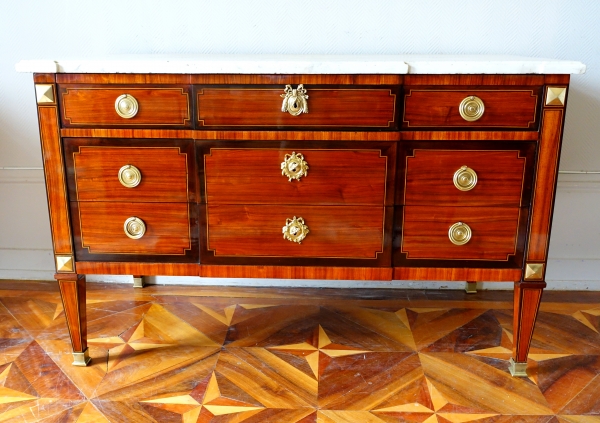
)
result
[(131, 171), (427, 232), (476, 175), (128, 106), (328, 107), (508, 107), (297, 174), (156, 229), (330, 232)]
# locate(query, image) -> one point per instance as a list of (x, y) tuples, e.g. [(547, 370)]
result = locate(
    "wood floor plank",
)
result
[(277, 355)]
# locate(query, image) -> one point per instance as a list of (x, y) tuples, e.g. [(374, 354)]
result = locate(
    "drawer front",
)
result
[(101, 229), (468, 177), (258, 231), (130, 170), (426, 233), (297, 175), (505, 108), (255, 106), (97, 106)]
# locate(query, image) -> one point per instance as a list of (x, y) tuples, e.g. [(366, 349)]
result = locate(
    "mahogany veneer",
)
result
[(514, 107), (378, 198)]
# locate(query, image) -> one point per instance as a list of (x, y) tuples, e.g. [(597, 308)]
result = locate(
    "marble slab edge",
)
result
[(343, 64)]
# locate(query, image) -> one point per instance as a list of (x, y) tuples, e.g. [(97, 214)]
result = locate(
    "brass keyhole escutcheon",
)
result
[(471, 108), (134, 227), (465, 178), (126, 106), (294, 166), (295, 100), (130, 176), (459, 233), (295, 230)]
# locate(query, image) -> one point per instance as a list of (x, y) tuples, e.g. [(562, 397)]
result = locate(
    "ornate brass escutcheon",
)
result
[(471, 108), (294, 166), (295, 101), (134, 227), (126, 106), (459, 233), (465, 178), (295, 230), (130, 176)]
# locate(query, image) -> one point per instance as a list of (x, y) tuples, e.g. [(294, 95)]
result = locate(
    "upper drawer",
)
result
[(471, 174), (364, 107), (300, 173), (84, 105), (510, 107), (118, 170)]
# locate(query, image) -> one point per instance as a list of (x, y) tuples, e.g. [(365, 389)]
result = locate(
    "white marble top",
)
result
[(294, 64)]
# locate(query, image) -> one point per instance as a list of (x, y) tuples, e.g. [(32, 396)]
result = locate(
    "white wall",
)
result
[(562, 29)]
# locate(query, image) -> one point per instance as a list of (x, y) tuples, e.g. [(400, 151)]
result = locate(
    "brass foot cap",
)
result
[(138, 282), (81, 359), (517, 369), (471, 288)]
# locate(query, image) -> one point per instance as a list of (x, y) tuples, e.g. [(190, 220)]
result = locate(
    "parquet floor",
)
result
[(191, 354)]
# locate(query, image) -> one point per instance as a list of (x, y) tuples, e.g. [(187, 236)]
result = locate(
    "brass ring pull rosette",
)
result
[(295, 230), (295, 100), (459, 233), (134, 227), (465, 178), (130, 176), (126, 106), (471, 108), (294, 166)]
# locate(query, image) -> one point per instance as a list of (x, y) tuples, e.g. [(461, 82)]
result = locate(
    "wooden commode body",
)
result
[(444, 170)]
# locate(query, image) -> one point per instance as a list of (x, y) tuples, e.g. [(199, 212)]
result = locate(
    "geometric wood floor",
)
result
[(211, 354)]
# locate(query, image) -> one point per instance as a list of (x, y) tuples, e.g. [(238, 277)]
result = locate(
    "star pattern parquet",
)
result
[(225, 355)]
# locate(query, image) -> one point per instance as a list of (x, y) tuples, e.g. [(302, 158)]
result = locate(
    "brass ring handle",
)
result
[(459, 233), (130, 176), (465, 178), (295, 100), (471, 108), (295, 230), (126, 106), (134, 227), (294, 166)]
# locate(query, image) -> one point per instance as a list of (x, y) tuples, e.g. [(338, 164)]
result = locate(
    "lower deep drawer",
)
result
[(155, 229), (258, 231), (460, 233)]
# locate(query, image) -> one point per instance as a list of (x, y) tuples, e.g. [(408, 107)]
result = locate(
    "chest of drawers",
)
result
[(391, 174)]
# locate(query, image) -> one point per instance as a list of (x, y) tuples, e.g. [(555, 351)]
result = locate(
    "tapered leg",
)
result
[(526, 305), (72, 291)]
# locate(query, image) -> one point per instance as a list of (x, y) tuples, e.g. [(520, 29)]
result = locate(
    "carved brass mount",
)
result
[(459, 233), (295, 101), (294, 166), (471, 108), (295, 230), (126, 106), (130, 176), (134, 227), (465, 178)]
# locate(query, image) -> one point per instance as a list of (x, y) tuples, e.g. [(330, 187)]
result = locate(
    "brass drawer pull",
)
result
[(465, 178), (134, 227), (471, 108), (130, 176), (295, 101), (126, 106), (459, 233), (295, 230), (294, 166)]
